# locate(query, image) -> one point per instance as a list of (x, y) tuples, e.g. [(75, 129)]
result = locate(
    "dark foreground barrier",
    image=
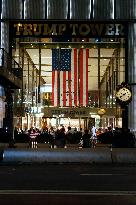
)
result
[(87, 155), (57, 155), (124, 155)]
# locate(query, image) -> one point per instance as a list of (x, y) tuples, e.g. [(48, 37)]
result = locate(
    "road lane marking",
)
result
[(86, 174)]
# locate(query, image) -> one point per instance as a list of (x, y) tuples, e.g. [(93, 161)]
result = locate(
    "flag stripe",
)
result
[(84, 77), (53, 78), (61, 89), (55, 88), (75, 77), (81, 75), (87, 56), (69, 88), (64, 88)]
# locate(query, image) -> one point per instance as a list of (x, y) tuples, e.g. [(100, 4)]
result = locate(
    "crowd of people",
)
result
[(62, 138)]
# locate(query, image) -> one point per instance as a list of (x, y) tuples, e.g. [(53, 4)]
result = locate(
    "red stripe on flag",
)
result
[(53, 78), (81, 76), (69, 88), (58, 88), (75, 77), (64, 88), (87, 56)]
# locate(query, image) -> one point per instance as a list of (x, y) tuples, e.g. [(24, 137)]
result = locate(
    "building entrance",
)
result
[(70, 74)]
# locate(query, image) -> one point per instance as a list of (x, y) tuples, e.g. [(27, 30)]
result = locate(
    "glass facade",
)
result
[(97, 66), (68, 9)]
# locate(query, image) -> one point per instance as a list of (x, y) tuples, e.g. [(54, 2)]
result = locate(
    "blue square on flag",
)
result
[(61, 59), (55, 59), (65, 59)]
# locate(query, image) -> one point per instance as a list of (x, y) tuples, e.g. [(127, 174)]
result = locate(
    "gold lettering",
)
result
[(73, 26), (50, 31), (27, 29), (59, 29), (37, 29), (84, 29), (17, 26), (62, 28), (96, 29)]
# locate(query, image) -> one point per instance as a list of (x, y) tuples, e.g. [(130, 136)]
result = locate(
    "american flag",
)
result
[(70, 77)]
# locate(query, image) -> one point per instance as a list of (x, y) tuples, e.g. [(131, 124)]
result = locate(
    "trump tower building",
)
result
[(61, 62)]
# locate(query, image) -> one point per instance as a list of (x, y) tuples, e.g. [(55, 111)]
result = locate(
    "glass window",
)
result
[(77, 72)]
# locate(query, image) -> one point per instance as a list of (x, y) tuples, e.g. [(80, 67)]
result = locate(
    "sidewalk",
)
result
[(47, 146)]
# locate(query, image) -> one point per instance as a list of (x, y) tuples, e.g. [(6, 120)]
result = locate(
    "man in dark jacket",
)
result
[(86, 140)]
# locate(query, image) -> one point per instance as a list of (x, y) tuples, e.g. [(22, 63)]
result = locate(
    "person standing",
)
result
[(93, 137), (86, 139)]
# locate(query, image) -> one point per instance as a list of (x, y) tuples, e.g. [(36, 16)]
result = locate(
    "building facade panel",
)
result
[(103, 9), (80, 9), (65, 9), (12, 9), (34, 9), (5, 36), (125, 9), (57, 9)]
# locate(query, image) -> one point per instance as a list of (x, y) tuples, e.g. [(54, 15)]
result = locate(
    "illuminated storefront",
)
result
[(85, 81), (102, 30)]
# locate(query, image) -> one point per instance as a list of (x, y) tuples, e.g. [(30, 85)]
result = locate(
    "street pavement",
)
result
[(66, 183), (62, 183)]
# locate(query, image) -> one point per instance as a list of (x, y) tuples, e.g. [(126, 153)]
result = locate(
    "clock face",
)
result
[(124, 94)]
